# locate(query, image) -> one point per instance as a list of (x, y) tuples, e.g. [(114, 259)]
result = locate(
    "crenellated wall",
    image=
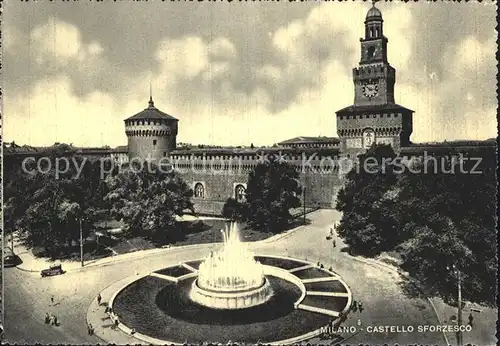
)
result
[(219, 175)]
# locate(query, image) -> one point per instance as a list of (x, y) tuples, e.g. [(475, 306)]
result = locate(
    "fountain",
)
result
[(231, 278), (232, 295)]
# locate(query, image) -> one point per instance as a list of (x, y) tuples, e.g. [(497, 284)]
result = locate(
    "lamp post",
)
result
[(81, 241), (304, 205), (456, 272)]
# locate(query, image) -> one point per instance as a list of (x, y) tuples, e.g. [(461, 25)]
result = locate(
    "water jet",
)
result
[(231, 278)]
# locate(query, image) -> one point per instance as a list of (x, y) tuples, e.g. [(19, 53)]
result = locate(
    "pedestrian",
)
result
[(471, 319), (132, 331), (106, 310), (354, 306), (99, 298), (322, 266), (55, 321), (52, 299), (360, 306), (330, 269), (334, 243), (116, 322), (89, 329), (47, 318), (318, 264)]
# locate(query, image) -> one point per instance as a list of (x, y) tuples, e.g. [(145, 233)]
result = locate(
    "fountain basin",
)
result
[(230, 278), (238, 299)]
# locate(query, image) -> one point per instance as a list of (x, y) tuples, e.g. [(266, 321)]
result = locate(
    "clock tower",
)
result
[(374, 78), (374, 117)]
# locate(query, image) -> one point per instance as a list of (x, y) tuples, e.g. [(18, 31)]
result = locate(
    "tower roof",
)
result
[(151, 113), (373, 13)]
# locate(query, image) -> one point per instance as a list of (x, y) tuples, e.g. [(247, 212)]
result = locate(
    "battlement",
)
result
[(376, 70)]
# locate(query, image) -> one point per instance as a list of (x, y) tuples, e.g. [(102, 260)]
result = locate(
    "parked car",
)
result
[(10, 259), (55, 269)]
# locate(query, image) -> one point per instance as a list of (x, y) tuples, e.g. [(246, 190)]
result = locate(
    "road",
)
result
[(27, 295), (28, 298)]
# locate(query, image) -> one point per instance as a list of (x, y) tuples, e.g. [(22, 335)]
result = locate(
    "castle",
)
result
[(217, 173)]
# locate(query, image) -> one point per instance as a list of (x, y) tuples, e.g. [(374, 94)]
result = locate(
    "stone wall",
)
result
[(321, 186)]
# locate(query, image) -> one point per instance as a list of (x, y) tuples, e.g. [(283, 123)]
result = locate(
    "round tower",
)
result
[(151, 134)]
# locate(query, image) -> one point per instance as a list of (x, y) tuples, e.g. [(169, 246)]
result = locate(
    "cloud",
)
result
[(231, 81), (59, 42), (222, 48), (184, 58), (54, 114)]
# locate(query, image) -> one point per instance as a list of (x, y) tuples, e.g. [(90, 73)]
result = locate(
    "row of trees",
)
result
[(47, 206), (440, 213)]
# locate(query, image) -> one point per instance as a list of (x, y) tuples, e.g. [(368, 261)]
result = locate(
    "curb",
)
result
[(406, 276), (123, 257), (27, 270), (157, 251)]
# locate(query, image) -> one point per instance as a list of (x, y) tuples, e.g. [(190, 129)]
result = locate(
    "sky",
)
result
[(238, 73)]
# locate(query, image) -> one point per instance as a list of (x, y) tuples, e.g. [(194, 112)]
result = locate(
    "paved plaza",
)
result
[(378, 286)]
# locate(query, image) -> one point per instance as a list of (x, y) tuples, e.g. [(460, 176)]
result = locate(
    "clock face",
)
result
[(370, 89)]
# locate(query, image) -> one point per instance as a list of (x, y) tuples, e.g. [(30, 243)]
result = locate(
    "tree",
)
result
[(449, 211), (272, 189), (437, 212), (46, 206), (148, 200), (234, 210), (368, 223)]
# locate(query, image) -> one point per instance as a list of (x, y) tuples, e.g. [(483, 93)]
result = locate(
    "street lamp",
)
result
[(304, 205), (12, 240), (81, 241), (456, 272)]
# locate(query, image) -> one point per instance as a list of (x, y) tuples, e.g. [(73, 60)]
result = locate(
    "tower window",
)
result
[(164, 153), (154, 141)]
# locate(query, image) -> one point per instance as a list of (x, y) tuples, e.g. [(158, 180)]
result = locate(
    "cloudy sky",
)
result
[(238, 73)]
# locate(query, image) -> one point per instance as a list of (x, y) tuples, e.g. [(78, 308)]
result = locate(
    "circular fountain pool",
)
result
[(231, 295)]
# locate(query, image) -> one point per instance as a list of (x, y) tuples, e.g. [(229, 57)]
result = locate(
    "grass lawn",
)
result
[(208, 231), (311, 273), (91, 251), (189, 232), (326, 286), (282, 263)]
